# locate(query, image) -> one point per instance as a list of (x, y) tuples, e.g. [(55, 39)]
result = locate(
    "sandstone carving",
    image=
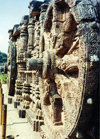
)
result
[(53, 67)]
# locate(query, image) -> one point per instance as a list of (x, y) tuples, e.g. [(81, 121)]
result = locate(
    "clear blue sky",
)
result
[(11, 12)]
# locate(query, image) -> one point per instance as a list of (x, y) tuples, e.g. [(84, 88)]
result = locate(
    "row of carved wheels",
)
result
[(69, 90), (69, 81)]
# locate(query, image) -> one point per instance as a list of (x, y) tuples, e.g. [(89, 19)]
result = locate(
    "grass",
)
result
[(3, 78)]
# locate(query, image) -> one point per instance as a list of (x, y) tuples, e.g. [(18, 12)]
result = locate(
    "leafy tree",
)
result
[(3, 57)]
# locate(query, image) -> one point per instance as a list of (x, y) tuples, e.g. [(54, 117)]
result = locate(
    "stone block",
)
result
[(10, 137), (84, 11), (16, 103), (10, 100), (21, 112), (37, 124)]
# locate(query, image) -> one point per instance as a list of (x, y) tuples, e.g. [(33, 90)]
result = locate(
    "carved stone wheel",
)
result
[(70, 70), (11, 74)]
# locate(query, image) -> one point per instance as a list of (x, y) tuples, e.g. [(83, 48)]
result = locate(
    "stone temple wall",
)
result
[(53, 68)]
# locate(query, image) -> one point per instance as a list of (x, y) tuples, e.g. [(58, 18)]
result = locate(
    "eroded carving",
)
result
[(57, 66)]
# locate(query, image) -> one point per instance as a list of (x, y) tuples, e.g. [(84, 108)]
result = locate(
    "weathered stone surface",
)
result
[(58, 48), (21, 112), (10, 100), (11, 62), (85, 11), (16, 30), (16, 103), (24, 20), (34, 7)]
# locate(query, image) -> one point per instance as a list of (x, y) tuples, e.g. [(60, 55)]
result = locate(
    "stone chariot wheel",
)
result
[(69, 82), (11, 73)]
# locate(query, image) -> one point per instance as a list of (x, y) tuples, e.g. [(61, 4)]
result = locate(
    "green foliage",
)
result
[(3, 57), (3, 78)]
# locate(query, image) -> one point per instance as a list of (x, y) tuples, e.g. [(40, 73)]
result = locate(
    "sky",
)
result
[(11, 12)]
